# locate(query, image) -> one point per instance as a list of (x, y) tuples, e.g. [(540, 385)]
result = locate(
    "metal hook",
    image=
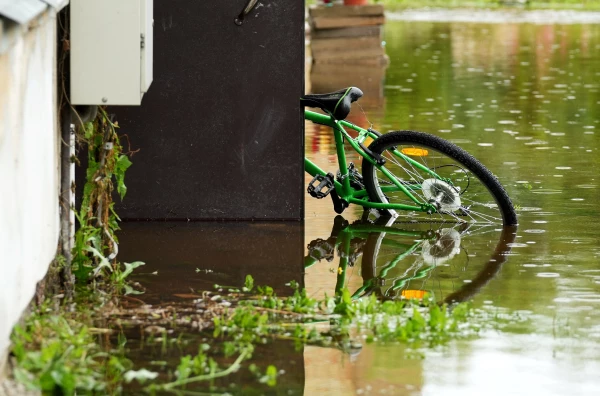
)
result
[(240, 18)]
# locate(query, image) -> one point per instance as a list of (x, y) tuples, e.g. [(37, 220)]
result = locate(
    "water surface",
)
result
[(522, 98)]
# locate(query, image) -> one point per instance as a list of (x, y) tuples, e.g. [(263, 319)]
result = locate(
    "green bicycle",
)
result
[(421, 174)]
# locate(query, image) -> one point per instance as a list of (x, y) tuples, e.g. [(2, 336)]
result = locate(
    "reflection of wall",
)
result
[(223, 252), (376, 369), (340, 34), (390, 369), (346, 46), (327, 78), (327, 372), (482, 46)]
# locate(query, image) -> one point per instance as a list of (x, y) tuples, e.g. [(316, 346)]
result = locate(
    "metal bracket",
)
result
[(373, 131), (377, 157)]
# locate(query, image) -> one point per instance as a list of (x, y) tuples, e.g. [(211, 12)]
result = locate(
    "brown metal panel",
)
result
[(221, 129)]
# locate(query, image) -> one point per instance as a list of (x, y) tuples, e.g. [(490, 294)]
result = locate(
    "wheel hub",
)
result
[(443, 248), (441, 194)]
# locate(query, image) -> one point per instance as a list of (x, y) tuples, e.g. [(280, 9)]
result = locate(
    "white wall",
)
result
[(29, 166)]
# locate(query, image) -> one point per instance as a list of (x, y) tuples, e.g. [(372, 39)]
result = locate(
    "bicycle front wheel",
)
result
[(438, 172)]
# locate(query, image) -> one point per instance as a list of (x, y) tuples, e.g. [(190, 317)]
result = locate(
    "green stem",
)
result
[(234, 367)]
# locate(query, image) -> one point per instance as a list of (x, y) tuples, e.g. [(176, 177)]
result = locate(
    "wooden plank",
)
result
[(337, 11), (332, 23), (359, 31), (345, 44)]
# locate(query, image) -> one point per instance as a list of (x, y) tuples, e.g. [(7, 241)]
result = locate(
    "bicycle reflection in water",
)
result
[(448, 262)]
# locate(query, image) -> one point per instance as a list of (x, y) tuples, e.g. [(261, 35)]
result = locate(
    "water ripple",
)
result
[(547, 275)]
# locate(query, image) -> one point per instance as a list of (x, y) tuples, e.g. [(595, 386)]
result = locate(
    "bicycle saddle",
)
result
[(336, 103)]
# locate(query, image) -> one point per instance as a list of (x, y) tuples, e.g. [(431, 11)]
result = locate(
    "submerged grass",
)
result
[(61, 351)]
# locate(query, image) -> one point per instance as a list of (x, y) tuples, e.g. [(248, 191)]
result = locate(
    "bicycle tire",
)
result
[(441, 148)]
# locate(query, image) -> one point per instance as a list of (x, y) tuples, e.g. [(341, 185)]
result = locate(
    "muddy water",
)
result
[(523, 99)]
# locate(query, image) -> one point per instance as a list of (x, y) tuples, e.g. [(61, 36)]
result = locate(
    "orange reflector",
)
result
[(416, 152), (417, 294)]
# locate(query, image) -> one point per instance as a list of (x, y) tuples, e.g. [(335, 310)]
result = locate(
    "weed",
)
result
[(248, 284), (258, 319), (56, 355), (269, 377), (59, 355), (200, 368), (95, 241)]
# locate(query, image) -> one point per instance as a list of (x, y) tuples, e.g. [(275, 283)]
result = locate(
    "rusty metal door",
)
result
[(220, 130)]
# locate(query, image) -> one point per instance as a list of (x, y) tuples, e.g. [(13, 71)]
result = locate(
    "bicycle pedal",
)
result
[(320, 186), (321, 249)]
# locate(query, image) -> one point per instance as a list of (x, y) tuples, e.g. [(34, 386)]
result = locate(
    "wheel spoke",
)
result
[(460, 186)]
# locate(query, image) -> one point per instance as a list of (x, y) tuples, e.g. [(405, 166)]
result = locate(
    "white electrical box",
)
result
[(111, 51)]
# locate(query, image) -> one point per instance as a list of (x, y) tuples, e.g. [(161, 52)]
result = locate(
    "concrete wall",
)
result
[(29, 164)]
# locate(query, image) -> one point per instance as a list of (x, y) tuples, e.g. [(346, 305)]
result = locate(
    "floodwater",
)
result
[(523, 99)]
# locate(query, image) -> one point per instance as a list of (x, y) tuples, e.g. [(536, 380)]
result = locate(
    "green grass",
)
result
[(56, 352)]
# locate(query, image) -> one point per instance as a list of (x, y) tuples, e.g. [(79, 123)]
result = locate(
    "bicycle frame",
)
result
[(344, 189)]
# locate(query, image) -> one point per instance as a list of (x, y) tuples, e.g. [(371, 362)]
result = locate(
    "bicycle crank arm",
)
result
[(339, 204)]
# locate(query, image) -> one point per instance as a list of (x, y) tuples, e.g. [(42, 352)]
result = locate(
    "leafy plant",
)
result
[(95, 240), (249, 283), (269, 377), (59, 356)]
